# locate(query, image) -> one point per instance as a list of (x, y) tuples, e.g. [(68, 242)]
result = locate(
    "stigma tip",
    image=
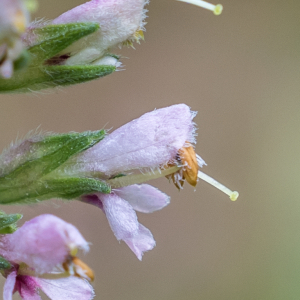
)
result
[(234, 195), (218, 9)]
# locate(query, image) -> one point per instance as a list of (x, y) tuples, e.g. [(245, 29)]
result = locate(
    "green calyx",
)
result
[(34, 70), (8, 224), (4, 264), (34, 179)]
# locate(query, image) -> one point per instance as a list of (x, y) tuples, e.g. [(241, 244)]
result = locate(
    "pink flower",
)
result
[(158, 144), (151, 142), (42, 255), (121, 22)]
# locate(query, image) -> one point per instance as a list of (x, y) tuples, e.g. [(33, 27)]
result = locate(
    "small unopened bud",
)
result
[(216, 9)]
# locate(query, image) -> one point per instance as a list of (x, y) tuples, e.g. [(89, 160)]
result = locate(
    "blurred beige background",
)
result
[(241, 71)]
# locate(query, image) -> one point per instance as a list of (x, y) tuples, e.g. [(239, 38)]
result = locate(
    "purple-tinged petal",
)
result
[(27, 287), (66, 288), (140, 242), (120, 215), (123, 222), (9, 286), (149, 141), (144, 197), (119, 20), (42, 243)]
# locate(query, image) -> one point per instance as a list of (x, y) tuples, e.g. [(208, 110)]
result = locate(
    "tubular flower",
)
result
[(106, 170), (42, 256), (75, 47), (121, 23), (159, 143), (13, 21)]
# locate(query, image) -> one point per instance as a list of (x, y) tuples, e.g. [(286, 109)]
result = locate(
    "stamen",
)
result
[(140, 178), (233, 195), (76, 267), (83, 268), (216, 9), (20, 21)]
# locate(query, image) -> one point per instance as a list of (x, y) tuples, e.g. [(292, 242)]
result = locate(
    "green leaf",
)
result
[(9, 229), (22, 61), (37, 78), (52, 39), (7, 220), (4, 264), (63, 188), (70, 188), (8, 223), (37, 178), (57, 149), (34, 71)]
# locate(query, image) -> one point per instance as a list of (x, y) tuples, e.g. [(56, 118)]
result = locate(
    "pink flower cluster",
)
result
[(40, 253)]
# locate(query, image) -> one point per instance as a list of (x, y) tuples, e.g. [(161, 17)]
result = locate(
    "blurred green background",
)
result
[(241, 72)]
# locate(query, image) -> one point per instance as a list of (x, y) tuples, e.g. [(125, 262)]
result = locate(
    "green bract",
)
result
[(33, 177), (4, 264), (8, 225), (33, 71)]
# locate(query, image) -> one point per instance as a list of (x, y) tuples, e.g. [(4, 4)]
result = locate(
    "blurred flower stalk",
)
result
[(109, 170)]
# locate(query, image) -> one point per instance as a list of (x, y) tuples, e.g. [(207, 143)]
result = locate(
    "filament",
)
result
[(233, 195), (140, 178), (216, 9)]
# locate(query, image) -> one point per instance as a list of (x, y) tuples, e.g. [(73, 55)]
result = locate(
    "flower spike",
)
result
[(216, 9)]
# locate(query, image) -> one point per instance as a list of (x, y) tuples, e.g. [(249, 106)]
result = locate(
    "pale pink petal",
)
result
[(149, 141), (9, 286), (27, 288), (70, 288), (118, 19), (143, 197), (42, 243), (141, 241), (120, 215), (123, 222)]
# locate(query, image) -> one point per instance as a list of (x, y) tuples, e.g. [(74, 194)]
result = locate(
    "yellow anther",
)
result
[(188, 171), (74, 266), (139, 34), (190, 165), (84, 267), (20, 21), (74, 252)]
